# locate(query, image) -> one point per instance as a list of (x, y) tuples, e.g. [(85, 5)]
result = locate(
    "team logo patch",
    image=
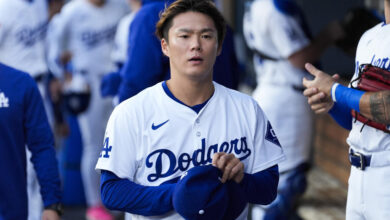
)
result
[(106, 149), (271, 136), (4, 101)]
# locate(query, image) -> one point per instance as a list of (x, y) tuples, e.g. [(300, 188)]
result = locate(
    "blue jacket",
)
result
[(23, 122), (146, 65)]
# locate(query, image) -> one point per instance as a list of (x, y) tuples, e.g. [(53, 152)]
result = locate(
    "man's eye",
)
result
[(183, 36), (206, 36)]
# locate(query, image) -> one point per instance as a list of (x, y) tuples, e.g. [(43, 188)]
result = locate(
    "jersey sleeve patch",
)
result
[(106, 150), (271, 136)]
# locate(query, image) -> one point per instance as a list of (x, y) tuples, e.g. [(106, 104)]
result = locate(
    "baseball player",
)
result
[(110, 82), (277, 33), (85, 31), (368, 196), (186, 121), (119, 53), (23, 122)]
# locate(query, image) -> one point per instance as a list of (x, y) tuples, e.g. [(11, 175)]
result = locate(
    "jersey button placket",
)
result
[(197, 128)]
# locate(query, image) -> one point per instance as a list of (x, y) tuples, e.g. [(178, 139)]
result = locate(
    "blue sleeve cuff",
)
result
[(346, 96), (261, 187)]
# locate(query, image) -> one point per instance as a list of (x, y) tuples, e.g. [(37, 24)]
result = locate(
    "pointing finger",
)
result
[(311, 69)]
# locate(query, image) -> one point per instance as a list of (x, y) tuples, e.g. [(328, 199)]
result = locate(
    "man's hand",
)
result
[(50, 215), (322, 81), (231, 167), (318, 90), (318, 101)]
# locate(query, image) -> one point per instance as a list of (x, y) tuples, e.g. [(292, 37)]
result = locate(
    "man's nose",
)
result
[(195, 44)]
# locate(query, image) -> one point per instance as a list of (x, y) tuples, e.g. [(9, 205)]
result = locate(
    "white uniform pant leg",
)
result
[(127, 216), (369, 194), (35, 204), (92, 126)]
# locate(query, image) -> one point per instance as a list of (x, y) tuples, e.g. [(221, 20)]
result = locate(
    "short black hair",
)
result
[(206, 7)]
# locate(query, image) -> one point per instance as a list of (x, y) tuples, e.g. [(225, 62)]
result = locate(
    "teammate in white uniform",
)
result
[(186, 121), (278, 34), (85, 29), (368, 194)]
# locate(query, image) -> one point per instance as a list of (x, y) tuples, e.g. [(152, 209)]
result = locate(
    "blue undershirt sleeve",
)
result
[(261, 187), (342, 115), (125, 195), (40, 142)]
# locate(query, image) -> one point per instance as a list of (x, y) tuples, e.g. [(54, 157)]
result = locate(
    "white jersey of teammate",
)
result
[(119, 54), (87, 32), (279, 35), (150, 144), (367, 195), (22, 35), (373, 48)]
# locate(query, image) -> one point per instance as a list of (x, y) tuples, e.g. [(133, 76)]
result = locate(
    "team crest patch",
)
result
[(271, 136), (4, 101)]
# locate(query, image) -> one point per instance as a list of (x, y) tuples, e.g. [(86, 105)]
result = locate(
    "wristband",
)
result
[(346, 96)]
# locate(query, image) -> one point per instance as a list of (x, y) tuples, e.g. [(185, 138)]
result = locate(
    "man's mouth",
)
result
[(196, 60)]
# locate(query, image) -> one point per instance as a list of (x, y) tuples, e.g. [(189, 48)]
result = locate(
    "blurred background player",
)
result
[(110, 82), (23, 25), (84, 34), (277, 33), (23, 122), (119, 53), (369, 146)]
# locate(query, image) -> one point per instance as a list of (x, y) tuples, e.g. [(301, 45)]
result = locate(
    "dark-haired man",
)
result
[(187, 121)]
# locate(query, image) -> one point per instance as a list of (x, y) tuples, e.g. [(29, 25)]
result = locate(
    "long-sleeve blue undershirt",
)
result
[(342, 115), (125, 195)]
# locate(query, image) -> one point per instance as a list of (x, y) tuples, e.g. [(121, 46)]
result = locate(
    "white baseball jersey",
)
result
[(373, 48), (88, 33), (368, 194), (119, 54), (151, 138), (279, 35), (22, 34)]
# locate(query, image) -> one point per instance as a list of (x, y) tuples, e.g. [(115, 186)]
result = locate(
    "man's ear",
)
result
[(164, 47)]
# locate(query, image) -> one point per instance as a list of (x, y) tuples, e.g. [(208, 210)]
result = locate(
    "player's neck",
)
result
[(190, 92), (387, 11)]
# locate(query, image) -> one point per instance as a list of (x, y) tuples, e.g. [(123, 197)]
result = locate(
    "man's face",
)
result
[(192, 47)]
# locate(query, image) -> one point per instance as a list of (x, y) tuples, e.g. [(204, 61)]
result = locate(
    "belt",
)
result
[(359, 160)]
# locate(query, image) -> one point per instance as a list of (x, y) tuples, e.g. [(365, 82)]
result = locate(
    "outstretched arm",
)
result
[(376, 106), (373, 105)]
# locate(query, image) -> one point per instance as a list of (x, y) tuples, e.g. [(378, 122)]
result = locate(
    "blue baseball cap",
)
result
[(200, 195)]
